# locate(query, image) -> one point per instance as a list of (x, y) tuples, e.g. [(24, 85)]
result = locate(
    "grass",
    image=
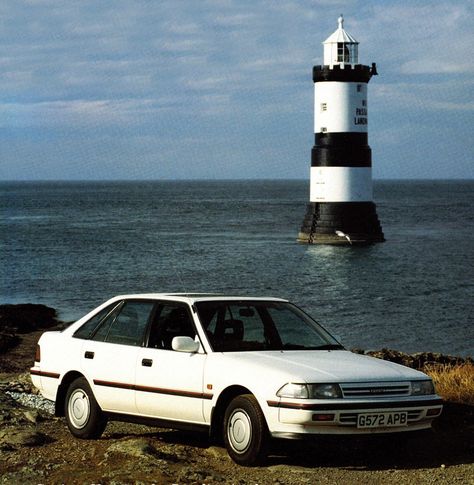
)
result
[(454, 383)]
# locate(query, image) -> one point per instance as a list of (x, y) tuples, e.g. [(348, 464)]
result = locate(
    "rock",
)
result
[(142, 448), (23, 319), (15, 438), (32, 416), (417, 360), (21, 383), (216, 452), (139, 448), (8, 340), (188, 474)]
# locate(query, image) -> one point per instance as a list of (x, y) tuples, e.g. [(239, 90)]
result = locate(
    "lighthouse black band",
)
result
[(341, 157), (341, 139), (341, 150), (349, 217), (359, 74)]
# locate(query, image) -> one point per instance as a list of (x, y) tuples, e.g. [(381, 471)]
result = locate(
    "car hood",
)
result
[(322, 366)]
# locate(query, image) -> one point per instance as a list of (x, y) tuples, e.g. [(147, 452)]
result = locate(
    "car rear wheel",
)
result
[(84, 417), (245, 431)]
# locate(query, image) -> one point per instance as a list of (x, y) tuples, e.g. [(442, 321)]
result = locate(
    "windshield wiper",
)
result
[(329, 347), (319, 347)]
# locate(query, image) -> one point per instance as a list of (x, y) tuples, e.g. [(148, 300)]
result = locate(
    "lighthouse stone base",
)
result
[(341, 223)]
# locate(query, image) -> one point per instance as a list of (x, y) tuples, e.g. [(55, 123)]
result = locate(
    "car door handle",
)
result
[(147, 362), (89, 355)]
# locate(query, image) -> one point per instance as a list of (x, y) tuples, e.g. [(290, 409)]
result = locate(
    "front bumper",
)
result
[(297, 418)]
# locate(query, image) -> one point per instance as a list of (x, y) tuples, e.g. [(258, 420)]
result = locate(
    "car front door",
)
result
[(169, 384)]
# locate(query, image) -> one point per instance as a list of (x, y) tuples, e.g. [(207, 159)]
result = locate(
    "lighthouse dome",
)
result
[(340, 47)]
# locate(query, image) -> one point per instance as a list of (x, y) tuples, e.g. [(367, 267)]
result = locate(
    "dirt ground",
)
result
[(35, 448)]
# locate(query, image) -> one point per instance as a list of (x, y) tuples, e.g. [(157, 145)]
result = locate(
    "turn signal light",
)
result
[(323, 417), (433, 412)]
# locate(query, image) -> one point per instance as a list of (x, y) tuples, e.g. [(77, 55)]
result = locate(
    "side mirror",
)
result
[(185, 344)]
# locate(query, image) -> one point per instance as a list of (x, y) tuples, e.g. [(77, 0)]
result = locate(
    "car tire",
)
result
[(84, 417), (245, 431)]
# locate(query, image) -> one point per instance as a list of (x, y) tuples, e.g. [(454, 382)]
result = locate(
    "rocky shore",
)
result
[(36, 447)]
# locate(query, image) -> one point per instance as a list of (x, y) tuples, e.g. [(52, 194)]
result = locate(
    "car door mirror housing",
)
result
[(185, 344)]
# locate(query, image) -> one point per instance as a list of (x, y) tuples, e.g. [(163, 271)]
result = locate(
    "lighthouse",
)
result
[(341, 209)]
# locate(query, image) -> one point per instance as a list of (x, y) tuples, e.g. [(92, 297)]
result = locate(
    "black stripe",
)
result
[(53, 375), (353, 406), (156, 390), (118, 385), (360, 73), (341, 150), (345, 156), (341, 139), (174, 392), (347, 210)]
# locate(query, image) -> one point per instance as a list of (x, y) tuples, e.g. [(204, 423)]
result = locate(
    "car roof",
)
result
[(194, 297)]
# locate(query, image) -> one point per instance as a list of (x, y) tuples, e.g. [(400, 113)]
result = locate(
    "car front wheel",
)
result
[(83, 415), (245, 431)]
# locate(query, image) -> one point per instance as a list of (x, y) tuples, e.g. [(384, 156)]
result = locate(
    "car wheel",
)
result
[(245, 431), (83, 415)]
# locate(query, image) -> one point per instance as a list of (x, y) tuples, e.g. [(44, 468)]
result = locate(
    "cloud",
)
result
[(78, 112), (234, 20), (425, 96), (434, 66), (422, 37)]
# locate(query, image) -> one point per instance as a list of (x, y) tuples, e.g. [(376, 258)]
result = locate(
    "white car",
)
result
[(245, 369)]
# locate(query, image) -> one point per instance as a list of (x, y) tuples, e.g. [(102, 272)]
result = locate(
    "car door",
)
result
[(109, 357), (169, 384)]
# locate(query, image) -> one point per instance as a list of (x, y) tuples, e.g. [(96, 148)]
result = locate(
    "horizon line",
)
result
[(262, 179)]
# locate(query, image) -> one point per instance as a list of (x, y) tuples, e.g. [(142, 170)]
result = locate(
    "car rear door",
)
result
[(109, 357), (169, 384)]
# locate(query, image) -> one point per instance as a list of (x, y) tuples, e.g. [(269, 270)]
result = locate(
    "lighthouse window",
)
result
[(324, 106), (343, 54), (359, 88), (364, 102)]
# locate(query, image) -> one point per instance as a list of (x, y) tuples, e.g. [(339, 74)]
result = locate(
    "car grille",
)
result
[(375, 389), (350, 419)]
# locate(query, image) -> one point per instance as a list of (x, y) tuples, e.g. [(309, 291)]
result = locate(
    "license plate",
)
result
[(382, 420)]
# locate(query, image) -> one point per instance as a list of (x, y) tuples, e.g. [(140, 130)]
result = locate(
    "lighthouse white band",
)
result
[(341, 184), (340, 107)]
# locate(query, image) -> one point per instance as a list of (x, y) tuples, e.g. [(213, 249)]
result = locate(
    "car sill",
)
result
[(159, 423)]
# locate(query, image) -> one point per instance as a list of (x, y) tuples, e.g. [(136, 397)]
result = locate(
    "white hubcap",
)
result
[(239, 431), (78, 408)]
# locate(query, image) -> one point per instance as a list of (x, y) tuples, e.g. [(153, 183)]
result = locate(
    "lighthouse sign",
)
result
[(361, 116), (345, 107)]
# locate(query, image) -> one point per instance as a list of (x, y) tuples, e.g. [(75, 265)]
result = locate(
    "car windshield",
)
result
[(233, 326)]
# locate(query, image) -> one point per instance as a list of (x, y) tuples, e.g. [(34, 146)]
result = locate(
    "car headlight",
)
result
[(422, 388), (310, 391)]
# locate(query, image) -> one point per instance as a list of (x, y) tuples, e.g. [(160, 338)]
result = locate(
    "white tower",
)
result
[(341, 210)]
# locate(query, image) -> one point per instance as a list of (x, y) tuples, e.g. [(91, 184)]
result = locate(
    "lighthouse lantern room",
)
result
[(341, 210)]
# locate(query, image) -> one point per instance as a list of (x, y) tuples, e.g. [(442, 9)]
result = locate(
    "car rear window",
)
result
[(87, 329)]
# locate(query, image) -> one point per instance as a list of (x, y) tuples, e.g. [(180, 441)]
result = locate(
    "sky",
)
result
[(222, 89)]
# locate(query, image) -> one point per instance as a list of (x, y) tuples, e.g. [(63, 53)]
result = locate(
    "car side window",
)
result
[(129, 326), (171, 320), (87, 329)]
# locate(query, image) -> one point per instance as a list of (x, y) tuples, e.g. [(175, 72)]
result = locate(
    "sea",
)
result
[(73, 245)]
